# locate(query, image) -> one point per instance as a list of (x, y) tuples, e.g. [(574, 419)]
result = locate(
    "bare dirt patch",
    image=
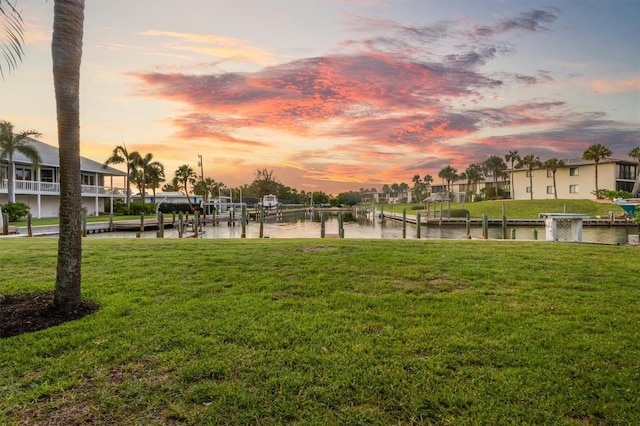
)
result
[(33, 312)]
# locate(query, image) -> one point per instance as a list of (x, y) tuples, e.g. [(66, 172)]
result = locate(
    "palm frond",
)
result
[(11, 36)]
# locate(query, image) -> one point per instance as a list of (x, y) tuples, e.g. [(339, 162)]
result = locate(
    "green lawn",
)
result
[(54, 220), (524, 209), (330, 332)]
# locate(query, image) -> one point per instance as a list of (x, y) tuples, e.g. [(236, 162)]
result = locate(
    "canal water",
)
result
[(306, 225)]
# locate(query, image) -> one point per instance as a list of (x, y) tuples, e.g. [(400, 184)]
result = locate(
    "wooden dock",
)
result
[(460, 221)]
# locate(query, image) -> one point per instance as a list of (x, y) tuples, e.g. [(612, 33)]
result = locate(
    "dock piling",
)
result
[(404, 223), (485, 226)]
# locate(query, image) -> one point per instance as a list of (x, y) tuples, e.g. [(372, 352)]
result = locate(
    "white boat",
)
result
[(269, 202)]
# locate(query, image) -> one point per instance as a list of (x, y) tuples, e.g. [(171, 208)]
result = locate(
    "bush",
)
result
[(459, 213), (168, 208), (139, 208), (493, 193), (15, 211), (612, 195)]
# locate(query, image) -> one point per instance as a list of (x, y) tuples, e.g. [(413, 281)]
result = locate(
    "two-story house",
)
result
[(40, 188)]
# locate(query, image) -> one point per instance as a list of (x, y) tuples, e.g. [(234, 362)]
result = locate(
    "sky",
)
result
[(338, 95)]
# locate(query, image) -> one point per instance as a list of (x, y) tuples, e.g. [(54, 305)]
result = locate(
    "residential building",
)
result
[(40, 188), (576, 180)]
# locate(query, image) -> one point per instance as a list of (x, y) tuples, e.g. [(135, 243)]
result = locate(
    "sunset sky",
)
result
[(337, 95)]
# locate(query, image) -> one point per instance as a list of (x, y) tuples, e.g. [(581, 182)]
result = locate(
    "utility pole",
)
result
[(201, 166)]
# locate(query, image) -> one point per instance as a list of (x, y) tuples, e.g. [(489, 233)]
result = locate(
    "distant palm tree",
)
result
[(448, 174), (143, 167), (553, 164), (185, 175), (494, 166), (155, 176), (596, 153), (386, 190), (427, 179), (12, 28), (173, 186), (512, 157), (473, 175), (530, 162), (10, 144), (121, 155), (417, 190)]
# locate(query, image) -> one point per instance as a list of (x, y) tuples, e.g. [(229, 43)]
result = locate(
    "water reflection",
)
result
[(307, 225)]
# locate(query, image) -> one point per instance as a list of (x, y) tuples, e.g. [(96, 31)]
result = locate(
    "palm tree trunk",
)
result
[(66, 49), (531, 184), (555, 192)]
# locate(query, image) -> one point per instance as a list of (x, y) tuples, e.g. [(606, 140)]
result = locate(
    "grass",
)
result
[(90, 219), (525, 209), (330, 332)]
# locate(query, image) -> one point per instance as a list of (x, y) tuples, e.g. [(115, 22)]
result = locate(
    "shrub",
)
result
[(612, 195), (492, 192), (15, 211), (139, 208), (168, 208), (459, 213)]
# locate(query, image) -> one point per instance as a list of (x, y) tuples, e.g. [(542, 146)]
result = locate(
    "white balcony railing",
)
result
[(29, 187)]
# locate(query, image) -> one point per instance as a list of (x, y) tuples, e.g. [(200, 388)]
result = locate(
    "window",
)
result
[(47, 175), (528, 189), (529, 173), (573, 189), (573, 171), (624, 186), (626, 171), (549, 173), (550, 189), (23, 173), (88, 179)]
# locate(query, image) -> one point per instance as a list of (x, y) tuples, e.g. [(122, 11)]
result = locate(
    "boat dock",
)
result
[(460, 221)]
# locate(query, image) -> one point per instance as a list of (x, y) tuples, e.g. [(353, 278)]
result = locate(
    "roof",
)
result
[(573, 162), (50, 158), (438, 196)]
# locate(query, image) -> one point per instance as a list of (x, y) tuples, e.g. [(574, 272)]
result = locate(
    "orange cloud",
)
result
[(604, 86)]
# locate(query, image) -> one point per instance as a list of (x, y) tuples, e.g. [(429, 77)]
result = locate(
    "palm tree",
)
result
[(473, 175), (173, 186), (416, 186), (494, 166), (529, 162), (118, 156), (155, 176), (596, 153), (142, 169), (11, 143), (448, 174), (635, 153), (184, 176), (12, 27), (554, 164), (427, 179), (512, 157), (66, 51)]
